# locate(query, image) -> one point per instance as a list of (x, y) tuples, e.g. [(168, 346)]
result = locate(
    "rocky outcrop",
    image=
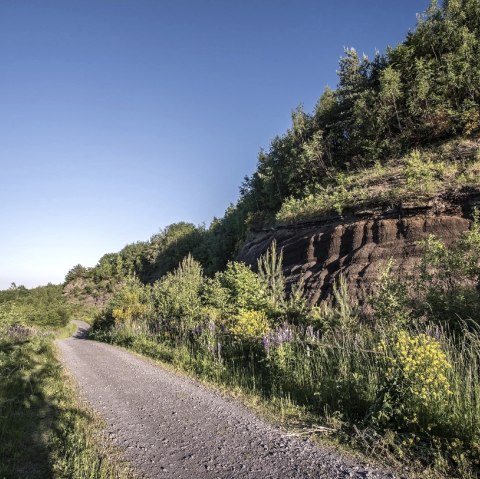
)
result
[(359, 246), (85, 292)]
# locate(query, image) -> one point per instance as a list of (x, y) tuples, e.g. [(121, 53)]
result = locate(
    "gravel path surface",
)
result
[(172, 427)]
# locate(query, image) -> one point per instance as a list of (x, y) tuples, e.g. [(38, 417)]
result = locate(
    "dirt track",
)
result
[(172, 427)]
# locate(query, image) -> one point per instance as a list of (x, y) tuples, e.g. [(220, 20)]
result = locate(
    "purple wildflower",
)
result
[(267, 342), (311, 334), (197, 329), (18, 330), (283, 334)]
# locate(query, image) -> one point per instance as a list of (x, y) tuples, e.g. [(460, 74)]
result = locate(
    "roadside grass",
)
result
[(414, 179), (45, 432), (326, 389), (242, 376)]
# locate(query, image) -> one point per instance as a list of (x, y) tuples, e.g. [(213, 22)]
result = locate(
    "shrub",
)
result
[(416, 387), (250, 325), (421, 172), (215, 296), (450, 277), (130, 304), (270, 273), (390, 302), (241, 287), (177, 296), (296, 309), (341, 316)]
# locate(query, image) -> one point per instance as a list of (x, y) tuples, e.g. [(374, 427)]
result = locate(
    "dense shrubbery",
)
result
[(43, 306)]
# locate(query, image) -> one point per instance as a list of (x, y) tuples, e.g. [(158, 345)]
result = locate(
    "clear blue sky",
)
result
[(119, 117)]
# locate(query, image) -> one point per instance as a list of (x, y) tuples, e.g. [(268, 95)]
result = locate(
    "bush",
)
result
[(131, 304), (421, 172), (450, 278), (249, 325), (240, 287), (416, 386), (43, 307), (177, 296)]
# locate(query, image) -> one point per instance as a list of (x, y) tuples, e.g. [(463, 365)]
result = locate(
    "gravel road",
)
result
[(172, 427)]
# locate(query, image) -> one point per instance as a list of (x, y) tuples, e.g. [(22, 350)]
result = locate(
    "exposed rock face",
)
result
[(80, 291), (360, 246)]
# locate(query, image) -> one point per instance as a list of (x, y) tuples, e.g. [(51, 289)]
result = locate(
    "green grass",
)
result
[(44, 431), (415, 179)]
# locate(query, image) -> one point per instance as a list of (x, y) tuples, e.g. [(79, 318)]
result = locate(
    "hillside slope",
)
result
[(384, 217)]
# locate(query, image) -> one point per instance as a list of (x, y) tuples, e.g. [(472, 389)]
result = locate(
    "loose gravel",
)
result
[(172, 427)]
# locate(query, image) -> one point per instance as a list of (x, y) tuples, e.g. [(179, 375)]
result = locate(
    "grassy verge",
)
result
[(325, 390), (44, 430)]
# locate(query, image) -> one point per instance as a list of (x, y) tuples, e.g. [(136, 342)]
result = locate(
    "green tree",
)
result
[(177, 296)]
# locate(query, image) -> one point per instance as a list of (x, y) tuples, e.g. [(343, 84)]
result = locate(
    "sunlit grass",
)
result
[(335, 385), (414, 178), (44, 430)]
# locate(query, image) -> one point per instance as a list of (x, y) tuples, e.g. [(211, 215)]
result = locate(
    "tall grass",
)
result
[(342, 374), (44, 430)]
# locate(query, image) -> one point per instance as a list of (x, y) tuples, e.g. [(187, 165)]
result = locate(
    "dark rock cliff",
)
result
[(360, 245)]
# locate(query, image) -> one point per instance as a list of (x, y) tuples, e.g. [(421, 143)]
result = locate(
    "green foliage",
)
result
[(243, 288), (131, 303), (450, 278), (149, 261), (420, 172), (295, 307), (270, 273), (423, 90), (390, 303), (215, 295), (249, 325), (76, 272), (43, 431), (416, 381), (176, 296), (44, 306), (402, 373), (167, 248), (413, 178), (342, 315)]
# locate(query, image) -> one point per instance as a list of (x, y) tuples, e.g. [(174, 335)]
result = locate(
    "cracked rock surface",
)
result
[(171, 427)]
